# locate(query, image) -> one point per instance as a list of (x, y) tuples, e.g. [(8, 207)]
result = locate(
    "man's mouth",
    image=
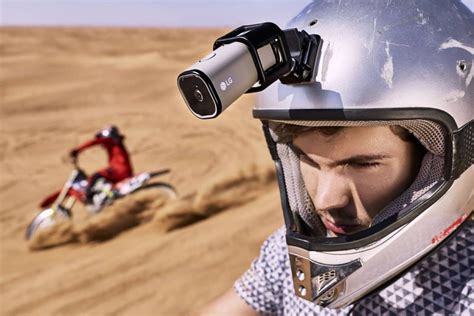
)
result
[(341, 228)]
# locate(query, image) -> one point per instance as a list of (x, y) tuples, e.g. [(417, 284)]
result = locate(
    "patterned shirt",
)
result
[(443, 283)]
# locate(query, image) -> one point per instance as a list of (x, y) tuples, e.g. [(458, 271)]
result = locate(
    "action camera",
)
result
[(248, 59)]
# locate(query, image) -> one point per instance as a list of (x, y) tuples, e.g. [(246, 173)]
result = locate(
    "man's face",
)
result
[(352, 175)]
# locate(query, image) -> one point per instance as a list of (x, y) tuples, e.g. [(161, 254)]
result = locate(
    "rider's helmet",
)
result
[(112, 132), (405, 63)]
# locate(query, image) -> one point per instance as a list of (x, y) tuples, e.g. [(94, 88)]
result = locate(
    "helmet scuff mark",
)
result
[(453, 96), (422, 18), (452, 43), (325, 64), (395, 44), (387, 69), (370, 44)]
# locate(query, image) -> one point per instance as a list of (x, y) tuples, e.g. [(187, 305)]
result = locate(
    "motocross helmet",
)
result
[(405, 63), (110, 132)]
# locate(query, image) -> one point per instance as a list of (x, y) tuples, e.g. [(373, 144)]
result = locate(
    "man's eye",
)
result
[(364, 165), (308, 161)]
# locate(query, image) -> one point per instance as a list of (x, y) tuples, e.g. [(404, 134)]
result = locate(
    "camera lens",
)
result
[(198, 95)]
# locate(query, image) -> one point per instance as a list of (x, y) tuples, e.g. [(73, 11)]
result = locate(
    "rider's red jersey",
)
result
[(119, 160)]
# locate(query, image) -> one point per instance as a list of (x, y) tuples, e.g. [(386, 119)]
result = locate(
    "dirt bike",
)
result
[(58, 205)]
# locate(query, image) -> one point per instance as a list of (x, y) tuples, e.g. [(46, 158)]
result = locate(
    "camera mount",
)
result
[(296, 52)]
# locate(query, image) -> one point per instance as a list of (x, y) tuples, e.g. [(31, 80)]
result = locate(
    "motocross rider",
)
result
[(120, 166), (353, 244)]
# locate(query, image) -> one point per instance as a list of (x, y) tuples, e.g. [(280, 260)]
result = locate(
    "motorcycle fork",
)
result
[(70, 200)]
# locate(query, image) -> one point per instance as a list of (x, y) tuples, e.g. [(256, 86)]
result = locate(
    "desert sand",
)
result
[(146, 254)]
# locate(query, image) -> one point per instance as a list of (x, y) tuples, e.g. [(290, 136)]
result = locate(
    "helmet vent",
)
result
[(462, 66), (313, 23), (324, 278), (328, 297), (327, 276), (322, 281)]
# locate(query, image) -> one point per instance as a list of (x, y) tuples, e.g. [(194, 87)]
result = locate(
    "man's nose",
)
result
[(333, 191)]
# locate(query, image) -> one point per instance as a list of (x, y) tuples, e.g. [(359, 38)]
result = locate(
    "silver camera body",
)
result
[(213, 83)]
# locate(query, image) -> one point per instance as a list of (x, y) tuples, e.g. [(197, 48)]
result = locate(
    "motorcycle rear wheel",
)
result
[(166, 188)]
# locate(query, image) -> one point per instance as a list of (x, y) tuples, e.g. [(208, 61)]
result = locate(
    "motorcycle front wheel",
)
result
[(44, 219)]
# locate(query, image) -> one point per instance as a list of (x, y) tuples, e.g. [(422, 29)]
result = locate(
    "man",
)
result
[(374, 162), (119, 167)]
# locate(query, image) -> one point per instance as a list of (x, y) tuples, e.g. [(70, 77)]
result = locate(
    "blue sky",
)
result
[(168, 13)]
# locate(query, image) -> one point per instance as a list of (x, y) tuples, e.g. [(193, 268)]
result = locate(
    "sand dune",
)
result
[(146, 254)]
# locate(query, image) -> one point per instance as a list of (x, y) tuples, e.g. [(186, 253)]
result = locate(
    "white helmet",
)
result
[(112, 132), (406, 63)]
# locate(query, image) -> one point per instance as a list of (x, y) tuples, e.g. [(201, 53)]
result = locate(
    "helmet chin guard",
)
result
[(393, 63)]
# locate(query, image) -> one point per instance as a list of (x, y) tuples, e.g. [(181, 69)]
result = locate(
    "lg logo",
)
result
[(226, 83)]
